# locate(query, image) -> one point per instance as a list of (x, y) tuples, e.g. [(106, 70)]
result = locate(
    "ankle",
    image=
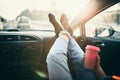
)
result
[(65, 32), (65, 35)]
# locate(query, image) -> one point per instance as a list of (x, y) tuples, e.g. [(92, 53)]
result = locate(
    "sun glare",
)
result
[(11, 8)]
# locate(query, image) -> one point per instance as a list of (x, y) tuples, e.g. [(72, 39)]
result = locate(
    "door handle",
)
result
[(100, 44)]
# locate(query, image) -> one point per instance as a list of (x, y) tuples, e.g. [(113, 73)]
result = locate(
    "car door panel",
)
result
[(109, 54)]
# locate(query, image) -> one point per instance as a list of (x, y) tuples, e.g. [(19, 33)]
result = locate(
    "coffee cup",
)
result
[(91, 53)]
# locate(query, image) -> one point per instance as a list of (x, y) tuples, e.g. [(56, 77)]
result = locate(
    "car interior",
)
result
[(23, 52)]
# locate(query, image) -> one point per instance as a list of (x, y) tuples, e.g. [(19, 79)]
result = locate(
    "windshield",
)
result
[(36, 11)]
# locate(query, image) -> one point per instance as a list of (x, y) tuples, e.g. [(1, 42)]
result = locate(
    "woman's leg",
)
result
[(76, 55), (57, 61)]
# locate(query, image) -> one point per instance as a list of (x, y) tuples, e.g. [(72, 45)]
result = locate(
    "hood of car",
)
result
[(41, 34)]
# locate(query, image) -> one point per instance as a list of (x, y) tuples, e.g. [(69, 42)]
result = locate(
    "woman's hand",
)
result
[(98, 69), (97, 65)]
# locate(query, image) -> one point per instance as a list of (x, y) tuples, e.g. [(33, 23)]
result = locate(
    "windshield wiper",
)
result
[(13, 30)]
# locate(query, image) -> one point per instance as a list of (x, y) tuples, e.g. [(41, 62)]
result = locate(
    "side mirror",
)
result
[(104, 32)]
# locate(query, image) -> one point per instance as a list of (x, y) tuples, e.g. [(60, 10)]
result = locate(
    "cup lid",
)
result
[(93, 47)]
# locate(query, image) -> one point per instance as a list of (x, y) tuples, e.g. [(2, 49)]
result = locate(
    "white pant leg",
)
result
[(57, 61), (77, 57)]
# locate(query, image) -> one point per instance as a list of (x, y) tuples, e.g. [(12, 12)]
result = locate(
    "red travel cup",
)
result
[(91, 56)]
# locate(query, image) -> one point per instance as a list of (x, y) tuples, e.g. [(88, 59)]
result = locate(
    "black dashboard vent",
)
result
[(27, 38), (18, 38), (8, 38)]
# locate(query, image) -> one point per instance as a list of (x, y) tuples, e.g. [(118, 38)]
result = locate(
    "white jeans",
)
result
[(57, 61)]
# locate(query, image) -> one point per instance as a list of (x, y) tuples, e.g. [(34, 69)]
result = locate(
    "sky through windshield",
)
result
[(11, 8)]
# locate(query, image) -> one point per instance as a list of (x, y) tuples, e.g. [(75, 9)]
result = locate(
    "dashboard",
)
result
[(23, 53)]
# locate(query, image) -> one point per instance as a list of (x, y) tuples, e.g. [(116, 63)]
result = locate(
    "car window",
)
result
[(105, 24), (37, 12)]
